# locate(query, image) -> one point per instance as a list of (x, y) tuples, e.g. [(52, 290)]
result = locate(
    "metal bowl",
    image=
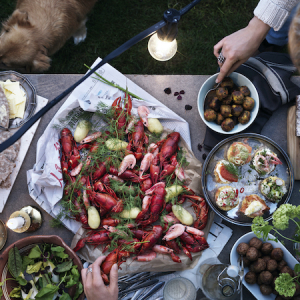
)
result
[(30, 92), (249, 184)]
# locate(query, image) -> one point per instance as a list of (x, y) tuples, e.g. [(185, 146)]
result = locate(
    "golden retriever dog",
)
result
[(39, 28)]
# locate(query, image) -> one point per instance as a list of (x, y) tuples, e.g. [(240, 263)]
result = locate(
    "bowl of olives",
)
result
[(232, 107)]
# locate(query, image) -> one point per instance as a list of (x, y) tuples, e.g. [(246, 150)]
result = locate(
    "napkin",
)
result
[(270, 73)]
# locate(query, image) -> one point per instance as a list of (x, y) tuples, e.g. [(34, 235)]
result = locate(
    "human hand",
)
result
[(94, 287), (239, 46)]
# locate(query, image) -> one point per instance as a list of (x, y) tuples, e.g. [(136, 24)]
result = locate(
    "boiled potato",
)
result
[(155, 126), (182, 215), (130, 213), (82, 129), (173, 191), (93, 217), (115, 144)]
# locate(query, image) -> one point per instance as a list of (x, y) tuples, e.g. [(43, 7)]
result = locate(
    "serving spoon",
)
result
[(206, 98)]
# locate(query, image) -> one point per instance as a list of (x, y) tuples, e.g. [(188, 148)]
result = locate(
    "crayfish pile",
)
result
[(129, 186)]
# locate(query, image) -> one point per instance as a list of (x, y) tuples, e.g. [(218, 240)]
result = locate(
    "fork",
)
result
[(241, 274)]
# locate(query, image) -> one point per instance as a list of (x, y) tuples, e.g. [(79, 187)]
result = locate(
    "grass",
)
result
[(111, 23)]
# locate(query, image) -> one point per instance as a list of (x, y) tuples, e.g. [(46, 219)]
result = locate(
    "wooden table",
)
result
[(50, 86)]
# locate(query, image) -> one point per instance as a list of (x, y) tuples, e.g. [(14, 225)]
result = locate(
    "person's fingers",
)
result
[(217, 48), (235, 66), (224, 70), (97, 278), (83, 275), (113, 276)]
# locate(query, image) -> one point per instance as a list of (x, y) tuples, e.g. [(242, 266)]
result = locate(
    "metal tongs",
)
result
[(241, 274)]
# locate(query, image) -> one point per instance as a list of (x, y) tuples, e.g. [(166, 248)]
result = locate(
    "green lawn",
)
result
[(111, 23)]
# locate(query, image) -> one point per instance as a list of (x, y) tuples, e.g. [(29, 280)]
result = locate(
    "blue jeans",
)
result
[(280, 37)]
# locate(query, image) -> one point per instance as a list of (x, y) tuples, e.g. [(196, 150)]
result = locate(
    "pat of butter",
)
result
[(16, 98), (253, 208)]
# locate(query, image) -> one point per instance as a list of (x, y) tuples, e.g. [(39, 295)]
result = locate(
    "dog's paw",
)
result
[(80, 35)]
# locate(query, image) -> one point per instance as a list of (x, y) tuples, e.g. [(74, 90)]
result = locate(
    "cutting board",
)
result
[(293, 142)]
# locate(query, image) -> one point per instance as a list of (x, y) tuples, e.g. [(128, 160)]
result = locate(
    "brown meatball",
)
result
[(281, 264), (221, 92), (252, 254), (244, 118), (250, 277), (277, 254), (287, 269), (266, 248), (266, 277), (227, 82), (227, 124), (210, 115), (237, 97), (266, 289), (215, 104), (246, 261), (242, 248), (256, 243), (272, 265), (259, 254), (227, 100), (248, 103), (219, 119), (236, 110), (245, 91), (225, 110), (266, 258), (259, 265)]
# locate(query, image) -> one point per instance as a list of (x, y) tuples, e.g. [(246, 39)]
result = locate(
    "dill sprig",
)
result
[(104, 80), (231, 168)]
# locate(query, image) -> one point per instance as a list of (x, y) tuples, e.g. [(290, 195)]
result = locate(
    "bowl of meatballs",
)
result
[(230, 108), (263, 261)]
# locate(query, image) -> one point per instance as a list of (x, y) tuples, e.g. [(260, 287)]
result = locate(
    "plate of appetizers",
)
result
[(245, 176)]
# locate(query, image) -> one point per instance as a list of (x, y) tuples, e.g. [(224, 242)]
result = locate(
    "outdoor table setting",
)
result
[(221, 236)]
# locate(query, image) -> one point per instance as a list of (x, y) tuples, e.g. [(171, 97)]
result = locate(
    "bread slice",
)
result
[(273, 188), (250, 199), (233, 177), (239, 153), (232, 191)]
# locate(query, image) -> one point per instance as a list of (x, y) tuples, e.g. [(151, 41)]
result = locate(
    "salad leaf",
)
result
[(65, 266), (14, 262), (59, 252), (16, 293), (79, 290), (35, 252), (65, 296), (26, 261), (21, 280), (34, 268), (71, 282), (297, 268), (75, 273), (47, 292)]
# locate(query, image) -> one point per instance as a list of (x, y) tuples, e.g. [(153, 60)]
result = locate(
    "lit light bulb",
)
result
[(161, 50)]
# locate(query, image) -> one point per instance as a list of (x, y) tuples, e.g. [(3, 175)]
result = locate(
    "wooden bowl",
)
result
[(24, 245)]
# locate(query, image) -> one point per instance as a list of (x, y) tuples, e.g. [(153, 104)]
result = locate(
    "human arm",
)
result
[(94, 287), (240, 45)]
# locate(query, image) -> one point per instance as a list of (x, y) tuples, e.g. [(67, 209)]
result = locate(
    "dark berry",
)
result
[(176, 94), (182, 92), (199, 147), (179, 97), (188, 107), (168, 91), (204, 156)]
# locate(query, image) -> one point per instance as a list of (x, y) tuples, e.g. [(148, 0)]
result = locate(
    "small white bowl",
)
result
[(254, 288), (239, 80)]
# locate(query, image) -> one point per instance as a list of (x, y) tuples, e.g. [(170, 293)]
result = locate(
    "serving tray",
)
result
[(249, 179)]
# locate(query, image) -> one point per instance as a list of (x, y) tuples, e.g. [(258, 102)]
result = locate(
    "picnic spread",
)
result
[(125, 170)]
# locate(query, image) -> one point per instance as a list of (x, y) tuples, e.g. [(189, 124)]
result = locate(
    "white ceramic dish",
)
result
[(239, 80), (254, 288)]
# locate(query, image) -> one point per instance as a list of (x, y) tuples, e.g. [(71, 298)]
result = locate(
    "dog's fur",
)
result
[(38, 28)]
